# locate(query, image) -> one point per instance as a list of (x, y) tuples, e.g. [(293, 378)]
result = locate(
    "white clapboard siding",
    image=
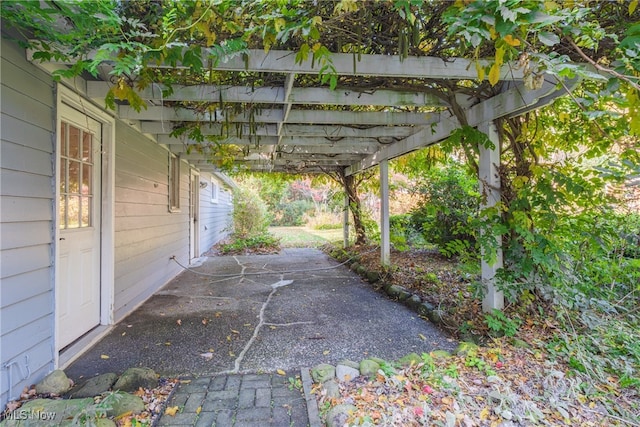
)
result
[(215, 218), (26, 228), (146, 233)]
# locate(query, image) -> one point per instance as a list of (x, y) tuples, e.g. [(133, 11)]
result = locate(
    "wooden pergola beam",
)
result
[(278, 61), (98, 90), (271, 115), (166, 139), (290, 130)]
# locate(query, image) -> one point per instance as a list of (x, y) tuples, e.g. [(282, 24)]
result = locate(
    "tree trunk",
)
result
[(351, 189), (350, 186)]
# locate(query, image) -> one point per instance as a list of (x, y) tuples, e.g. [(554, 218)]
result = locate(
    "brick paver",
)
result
[(238, 401)]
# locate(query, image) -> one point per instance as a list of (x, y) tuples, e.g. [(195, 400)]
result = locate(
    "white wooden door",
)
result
[(194, 214), (79, 183)]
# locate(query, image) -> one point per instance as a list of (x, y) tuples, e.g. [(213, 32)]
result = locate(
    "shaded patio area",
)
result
[(260, 313)]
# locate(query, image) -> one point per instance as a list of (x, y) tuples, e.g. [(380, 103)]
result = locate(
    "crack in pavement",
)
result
[(256, 330), (275, 286)]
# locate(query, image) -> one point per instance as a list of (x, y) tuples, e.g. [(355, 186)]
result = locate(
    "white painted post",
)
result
[(345, 221), (385, 252), (489, 178)]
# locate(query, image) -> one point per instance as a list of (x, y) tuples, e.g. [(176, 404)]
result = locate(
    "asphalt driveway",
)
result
[(260, 313)]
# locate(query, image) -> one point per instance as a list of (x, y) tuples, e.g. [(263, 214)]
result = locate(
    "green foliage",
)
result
[(399, 230), (90, 415), (292, 213), (498, 322), (255, 243), (250, 217), (450, 202)]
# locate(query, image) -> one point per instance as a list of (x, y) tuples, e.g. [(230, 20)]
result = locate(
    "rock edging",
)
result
[(99, 400)]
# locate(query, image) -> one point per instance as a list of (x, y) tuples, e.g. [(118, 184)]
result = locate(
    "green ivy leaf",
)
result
[(548, 38)]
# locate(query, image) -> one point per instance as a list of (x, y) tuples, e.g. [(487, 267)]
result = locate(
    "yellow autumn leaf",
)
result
[(493, 33), (494, 74), (500, 55), (511, 41), (484, 414), (551, 5), (633, 4), (325, 352), (346, 6), (281, 372), (316, 20), (171, 411), (104, 356), (124, 415), (198, 409), (480, 71), (279, 24)]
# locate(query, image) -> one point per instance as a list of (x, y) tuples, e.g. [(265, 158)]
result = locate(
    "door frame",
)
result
[(194, 215), (73, 100)]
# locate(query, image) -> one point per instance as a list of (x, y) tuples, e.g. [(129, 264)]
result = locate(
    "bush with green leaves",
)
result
[(292, 212), (250, 216), (450, 202)]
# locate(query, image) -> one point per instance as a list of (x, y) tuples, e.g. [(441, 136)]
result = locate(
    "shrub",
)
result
[(250, 216), (450, 201), (292, 212), (259, 243)]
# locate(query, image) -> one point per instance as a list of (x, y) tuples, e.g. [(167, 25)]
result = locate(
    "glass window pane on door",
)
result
[(76, 177)]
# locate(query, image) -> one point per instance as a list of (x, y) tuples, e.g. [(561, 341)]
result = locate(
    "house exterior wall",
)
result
[(146, 233), (215, 217), (26, 222)]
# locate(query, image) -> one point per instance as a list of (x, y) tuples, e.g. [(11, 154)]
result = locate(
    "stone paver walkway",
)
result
[(248, 400)]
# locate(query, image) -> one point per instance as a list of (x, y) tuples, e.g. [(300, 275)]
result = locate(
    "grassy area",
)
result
[(292, 237)]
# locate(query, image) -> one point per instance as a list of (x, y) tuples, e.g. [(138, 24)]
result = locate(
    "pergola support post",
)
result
[(345, 221), (489, 178), (385, 251)]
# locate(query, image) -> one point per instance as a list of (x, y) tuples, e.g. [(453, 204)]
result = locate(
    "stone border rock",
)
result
[(55, 399)]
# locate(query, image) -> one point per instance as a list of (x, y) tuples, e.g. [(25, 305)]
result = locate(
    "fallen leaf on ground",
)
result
[(104, 356), (171, 411), (179, 322), (281, 372)]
